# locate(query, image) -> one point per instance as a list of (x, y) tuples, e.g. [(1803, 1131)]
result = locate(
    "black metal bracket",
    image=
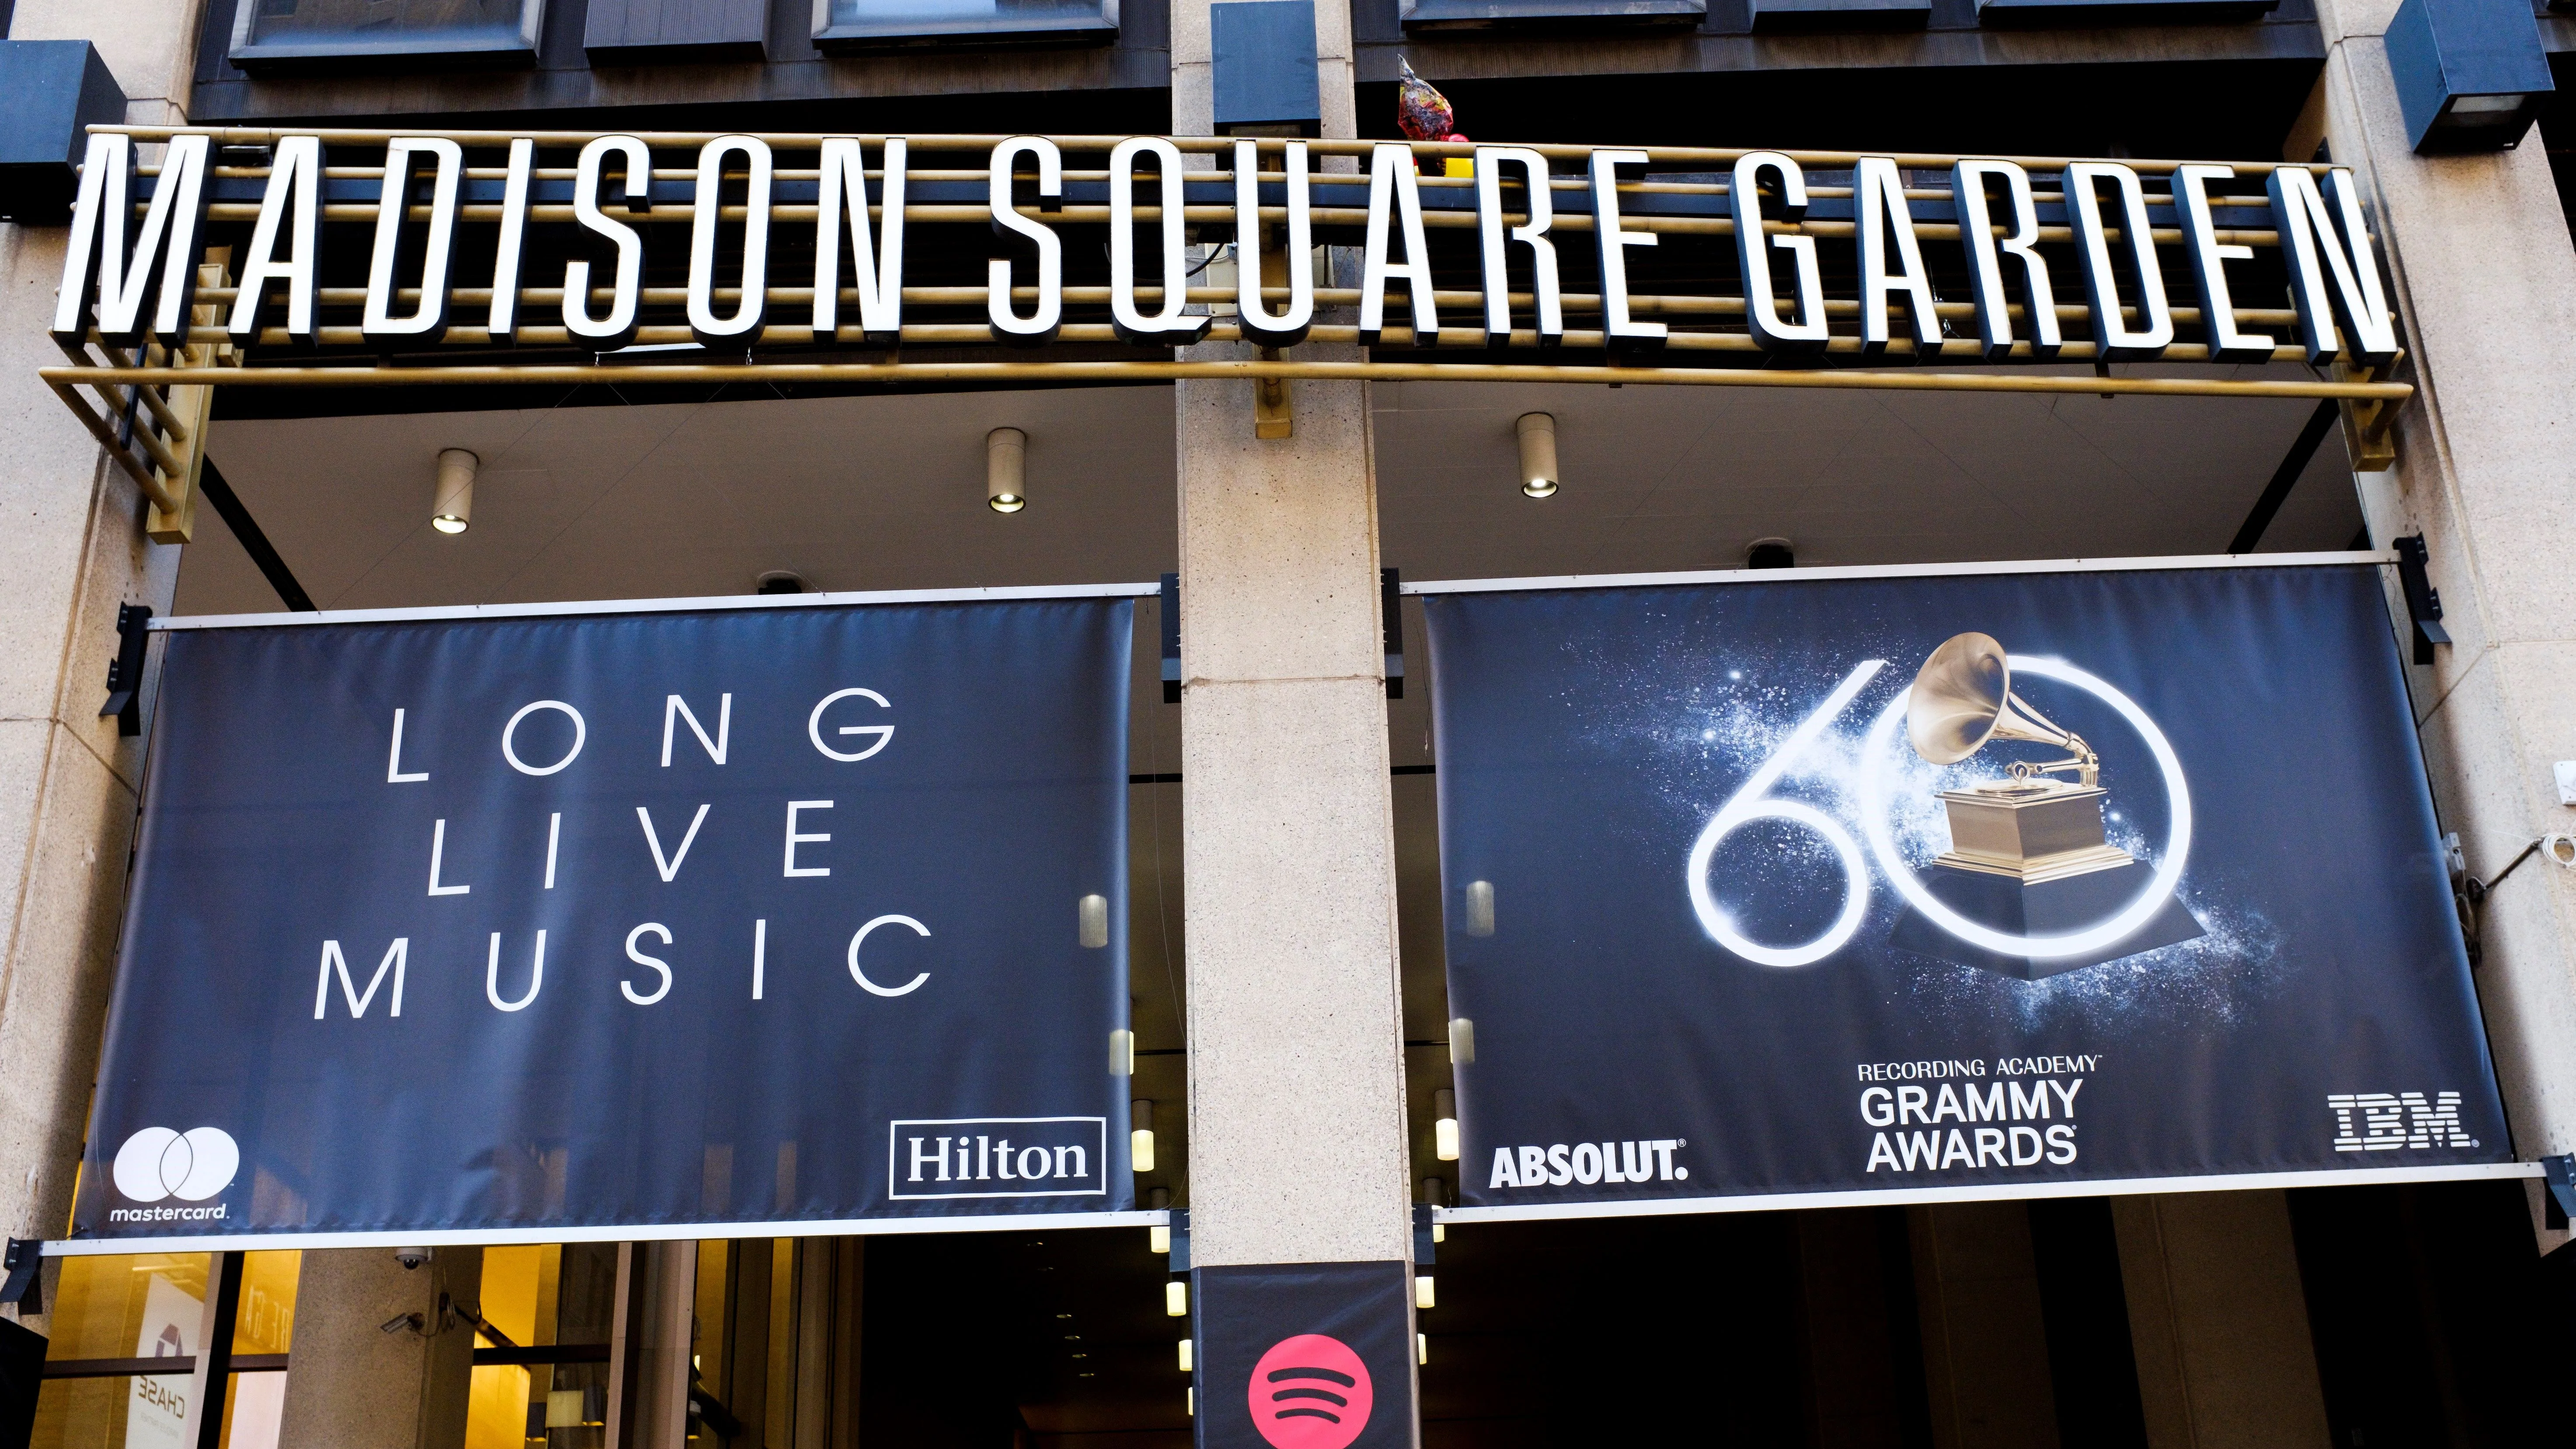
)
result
[(1170, 598), (1390, 588), (125, 671), (2423, 601), (2558, 1190), (25, 1285), (1425, 1249)]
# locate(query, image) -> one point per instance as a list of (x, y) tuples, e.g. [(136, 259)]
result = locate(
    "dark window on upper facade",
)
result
[(288, 34), (857, 24)]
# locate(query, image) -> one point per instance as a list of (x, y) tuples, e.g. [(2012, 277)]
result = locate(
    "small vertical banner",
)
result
[(1304, 1356)]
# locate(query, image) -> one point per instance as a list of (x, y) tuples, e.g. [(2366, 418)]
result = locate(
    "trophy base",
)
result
[(2040, 908), (2028, 830)]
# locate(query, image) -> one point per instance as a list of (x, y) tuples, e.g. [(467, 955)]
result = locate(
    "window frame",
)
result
[(1417, 14), (255, 55), (1101, 24)]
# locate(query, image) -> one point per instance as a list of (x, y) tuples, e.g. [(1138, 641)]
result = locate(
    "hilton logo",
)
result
[(998, 1157), (1310, 1392)]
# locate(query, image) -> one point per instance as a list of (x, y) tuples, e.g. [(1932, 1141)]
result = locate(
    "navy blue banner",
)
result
[(1303, 1356), (1895, 884), (634, 921)]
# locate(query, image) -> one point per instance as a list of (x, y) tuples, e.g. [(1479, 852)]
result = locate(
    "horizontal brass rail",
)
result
[(1246, 370), (1711, 157)]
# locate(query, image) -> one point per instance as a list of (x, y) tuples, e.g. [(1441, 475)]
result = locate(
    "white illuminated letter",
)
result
[(751, 309), (1610, 243), (1494, 255), (1986, 258), (1167, 325), (1259, 324), (1042, 324), (428, 320), (2209, 259), (2114, 339), (2333, 276), (616, 328), (292, 205), (1754, 248), (1880, 213), (1396, 197), (104, 241), (877, 274), (507, 258)]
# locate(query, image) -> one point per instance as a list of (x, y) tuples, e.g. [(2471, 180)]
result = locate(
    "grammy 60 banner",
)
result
[(1961, 882), (631, 921)]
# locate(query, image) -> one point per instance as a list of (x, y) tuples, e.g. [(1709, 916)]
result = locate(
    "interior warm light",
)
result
[(1422, 1296), (1006, 470), (1538, 454), (1185, 1355), (1444, 1132), (1158, 1238), (1439, 1232), (1422, 1348), (1140, 1141), (451, 508), (1176, 1299), (563, 1409)]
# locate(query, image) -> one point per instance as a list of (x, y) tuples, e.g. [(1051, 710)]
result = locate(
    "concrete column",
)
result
[(1298, 1150), (383, 1355), (72, 550), (1985, 1344), (2486, 286), (650, 1345), (2219, 1322)]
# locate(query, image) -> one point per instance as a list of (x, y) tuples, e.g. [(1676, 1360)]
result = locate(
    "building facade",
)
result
[(1293, 1076)]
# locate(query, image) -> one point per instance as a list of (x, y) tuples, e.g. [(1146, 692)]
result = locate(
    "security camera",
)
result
[(413, 1257)]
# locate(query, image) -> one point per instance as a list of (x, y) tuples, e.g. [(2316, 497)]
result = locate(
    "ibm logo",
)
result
[(2388, 1121)]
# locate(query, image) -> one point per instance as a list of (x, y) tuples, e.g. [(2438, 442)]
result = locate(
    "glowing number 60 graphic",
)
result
[(1747, 805)]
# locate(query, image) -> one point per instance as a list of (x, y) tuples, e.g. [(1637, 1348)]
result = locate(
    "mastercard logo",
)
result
[(1310, 1392)]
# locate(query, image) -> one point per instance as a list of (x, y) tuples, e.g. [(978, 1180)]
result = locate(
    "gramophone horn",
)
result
[(1963, 698), (1958, 698)]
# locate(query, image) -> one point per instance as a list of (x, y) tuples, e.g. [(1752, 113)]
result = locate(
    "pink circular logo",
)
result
[(1310, 1392)]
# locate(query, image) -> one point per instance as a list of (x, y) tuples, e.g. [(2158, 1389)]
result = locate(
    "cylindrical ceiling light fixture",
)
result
[(1435, 1194), (1158, 1238), (1176, 1298), (452, 507), (1538, 454), (1444, 1129), (1006, 470), (1140, 1137)]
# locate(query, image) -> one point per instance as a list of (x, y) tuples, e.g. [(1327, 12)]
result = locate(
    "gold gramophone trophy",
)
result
[(2030, 827)]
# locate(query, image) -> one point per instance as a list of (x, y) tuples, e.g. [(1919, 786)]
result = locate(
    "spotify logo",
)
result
[(1310, 1392), (191, 1166)]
